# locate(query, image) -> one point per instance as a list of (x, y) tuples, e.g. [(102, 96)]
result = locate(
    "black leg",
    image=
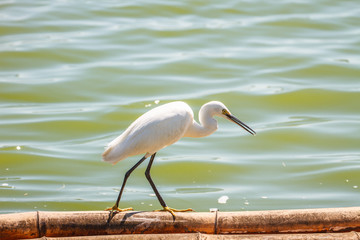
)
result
[(116, 206), (161, 200), (147, 174)]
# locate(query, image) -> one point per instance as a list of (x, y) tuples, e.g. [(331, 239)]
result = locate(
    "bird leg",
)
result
[(161, 200), (115, 209)]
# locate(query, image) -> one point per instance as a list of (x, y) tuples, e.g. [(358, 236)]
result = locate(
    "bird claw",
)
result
[(114, 210), (172, 210), (117, 209)]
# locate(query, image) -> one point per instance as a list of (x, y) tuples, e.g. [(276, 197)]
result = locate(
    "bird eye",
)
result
[(225, 112)]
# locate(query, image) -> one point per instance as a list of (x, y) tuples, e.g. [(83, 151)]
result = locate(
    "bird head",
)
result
[(219, 109)]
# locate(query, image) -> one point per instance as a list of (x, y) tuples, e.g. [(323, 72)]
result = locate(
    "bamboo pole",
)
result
[(201, 236), (68, 224)]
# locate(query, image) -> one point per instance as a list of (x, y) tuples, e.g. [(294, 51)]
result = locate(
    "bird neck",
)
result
[(207, 125)]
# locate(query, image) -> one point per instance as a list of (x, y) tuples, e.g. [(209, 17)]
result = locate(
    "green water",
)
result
[(75, 74)]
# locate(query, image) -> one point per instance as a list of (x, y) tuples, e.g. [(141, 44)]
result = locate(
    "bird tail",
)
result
[(106, 157)]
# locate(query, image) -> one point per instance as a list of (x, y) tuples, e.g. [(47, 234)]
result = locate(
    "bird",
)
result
[(159, 128)]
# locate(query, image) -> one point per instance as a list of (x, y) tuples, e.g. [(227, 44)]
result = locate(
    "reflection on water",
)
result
[(198, 190)]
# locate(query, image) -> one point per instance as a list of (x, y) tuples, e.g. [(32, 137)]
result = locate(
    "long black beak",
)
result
[(241, 124)]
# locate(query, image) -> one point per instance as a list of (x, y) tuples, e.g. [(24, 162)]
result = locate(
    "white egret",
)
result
[(161, 127)]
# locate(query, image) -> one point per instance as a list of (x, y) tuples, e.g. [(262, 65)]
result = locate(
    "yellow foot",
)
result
[(117, 209), (114, 210), (172, 210)]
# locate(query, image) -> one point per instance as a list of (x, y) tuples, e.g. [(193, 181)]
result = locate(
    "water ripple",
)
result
[(74, 76)]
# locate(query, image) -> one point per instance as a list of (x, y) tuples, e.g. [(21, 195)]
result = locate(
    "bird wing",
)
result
[(154, 130)]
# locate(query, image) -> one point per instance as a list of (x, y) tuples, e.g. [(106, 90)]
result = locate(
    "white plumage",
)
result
[(154, 130)]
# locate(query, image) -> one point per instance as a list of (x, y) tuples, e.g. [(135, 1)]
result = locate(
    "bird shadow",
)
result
[(126, 216), (123, 220)]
